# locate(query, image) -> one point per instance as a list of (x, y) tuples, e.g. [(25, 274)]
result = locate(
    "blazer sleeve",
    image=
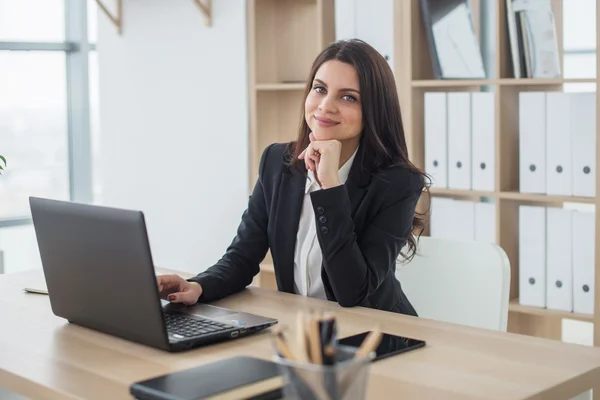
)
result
[(241, 261), (355, 270)]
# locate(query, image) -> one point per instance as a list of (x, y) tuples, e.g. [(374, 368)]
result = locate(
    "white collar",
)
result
[(344, 172)]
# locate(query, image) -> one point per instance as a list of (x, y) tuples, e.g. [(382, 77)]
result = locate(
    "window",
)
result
[(579, 43), (579, 25), (33, 129), (45, 62), (580, 65), (95, 127), (32, 20)]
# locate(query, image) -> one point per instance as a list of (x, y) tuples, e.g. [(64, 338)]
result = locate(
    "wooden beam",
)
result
[(116, 20), (205, 7)]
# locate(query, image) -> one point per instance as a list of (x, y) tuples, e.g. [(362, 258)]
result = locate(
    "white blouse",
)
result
[(308, 258)]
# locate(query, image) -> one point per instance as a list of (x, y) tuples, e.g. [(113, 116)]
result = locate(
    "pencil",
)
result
[(369, 344), (282, 346), (316, 354), (301, 337)]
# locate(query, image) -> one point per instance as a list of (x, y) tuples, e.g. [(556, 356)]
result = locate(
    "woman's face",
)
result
[(333, 107)]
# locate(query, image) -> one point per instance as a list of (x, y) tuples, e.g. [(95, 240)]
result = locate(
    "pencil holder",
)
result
[(346, 379)]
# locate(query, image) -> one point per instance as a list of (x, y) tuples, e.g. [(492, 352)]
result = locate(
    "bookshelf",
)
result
[(276, 90), (284, 37), (415, 77)]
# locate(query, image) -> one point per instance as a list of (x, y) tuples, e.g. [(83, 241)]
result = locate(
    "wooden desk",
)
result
[(44, 357)]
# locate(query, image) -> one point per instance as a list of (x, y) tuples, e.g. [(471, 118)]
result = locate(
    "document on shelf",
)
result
[(483, 141), (459, 140), (532, 256), (532, 142), (436, 138)]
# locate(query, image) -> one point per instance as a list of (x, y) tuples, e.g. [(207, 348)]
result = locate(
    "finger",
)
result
[(187, 297), (311, 162), (301, 155), (311, 137), (307, 164), (176, 297)]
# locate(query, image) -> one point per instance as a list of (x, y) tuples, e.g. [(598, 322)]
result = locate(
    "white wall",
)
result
[(174, 124)]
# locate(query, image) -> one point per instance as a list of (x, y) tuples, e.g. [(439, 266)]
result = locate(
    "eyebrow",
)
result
[(341, 90)]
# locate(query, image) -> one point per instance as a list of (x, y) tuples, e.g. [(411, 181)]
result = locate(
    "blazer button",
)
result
[(322, 219), (324, 230), (320, 210)]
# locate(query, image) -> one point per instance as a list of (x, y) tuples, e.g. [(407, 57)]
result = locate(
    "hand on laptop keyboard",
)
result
[(177, 290)]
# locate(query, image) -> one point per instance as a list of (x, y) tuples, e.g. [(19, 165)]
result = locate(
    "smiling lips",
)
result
[(325, 122)]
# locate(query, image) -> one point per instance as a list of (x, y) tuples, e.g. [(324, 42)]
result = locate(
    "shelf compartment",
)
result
[(278, 115), (286, 40)]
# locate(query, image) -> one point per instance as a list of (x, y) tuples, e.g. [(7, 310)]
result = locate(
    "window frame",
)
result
[(76, 48)]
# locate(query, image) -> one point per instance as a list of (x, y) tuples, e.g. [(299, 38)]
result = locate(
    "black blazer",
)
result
[(362, 227)]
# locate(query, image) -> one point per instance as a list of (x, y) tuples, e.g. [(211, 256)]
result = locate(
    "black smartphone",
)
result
[(390, 344)]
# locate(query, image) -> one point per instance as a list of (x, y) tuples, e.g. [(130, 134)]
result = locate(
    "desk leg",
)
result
[(535, 325)]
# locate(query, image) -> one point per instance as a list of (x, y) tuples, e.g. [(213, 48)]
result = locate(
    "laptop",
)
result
[(100, 274)]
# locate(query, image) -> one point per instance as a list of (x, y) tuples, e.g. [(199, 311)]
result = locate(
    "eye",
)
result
[(319, 89), (350, 98)]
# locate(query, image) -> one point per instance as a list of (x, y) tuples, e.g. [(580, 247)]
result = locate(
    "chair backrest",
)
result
[(466, 283)]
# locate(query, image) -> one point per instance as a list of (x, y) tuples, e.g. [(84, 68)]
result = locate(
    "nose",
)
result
[(327, 105)]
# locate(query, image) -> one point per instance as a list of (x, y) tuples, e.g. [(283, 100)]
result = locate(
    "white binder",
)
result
[(459, 140), (483, 150), (371, 21), (532, 256), (485, 222), (483, 134), (532, 142), (436, 139), (583, 262), (345, 19), (463, 220), (583, 130), (559, 177), (375, 25), (452, 219), (441, 218), (559, 259)]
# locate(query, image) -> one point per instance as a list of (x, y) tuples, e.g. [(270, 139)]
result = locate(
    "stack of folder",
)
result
[(462, 220), (556, 258), (459, 140), (557, 143)]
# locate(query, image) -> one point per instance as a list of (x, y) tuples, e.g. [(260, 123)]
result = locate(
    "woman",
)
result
[(335, 207)]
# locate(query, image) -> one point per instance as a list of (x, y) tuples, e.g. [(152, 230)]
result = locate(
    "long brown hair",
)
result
[(383, 142)]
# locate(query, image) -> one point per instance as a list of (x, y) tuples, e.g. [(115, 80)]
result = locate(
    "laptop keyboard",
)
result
[(185, 326)]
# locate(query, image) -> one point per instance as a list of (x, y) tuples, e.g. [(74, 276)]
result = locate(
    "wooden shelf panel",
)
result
[(518, 196), (280, 86), (542, 198), (543, 82), (515, 307), (441, 83), (437, 83), (462, 193)]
